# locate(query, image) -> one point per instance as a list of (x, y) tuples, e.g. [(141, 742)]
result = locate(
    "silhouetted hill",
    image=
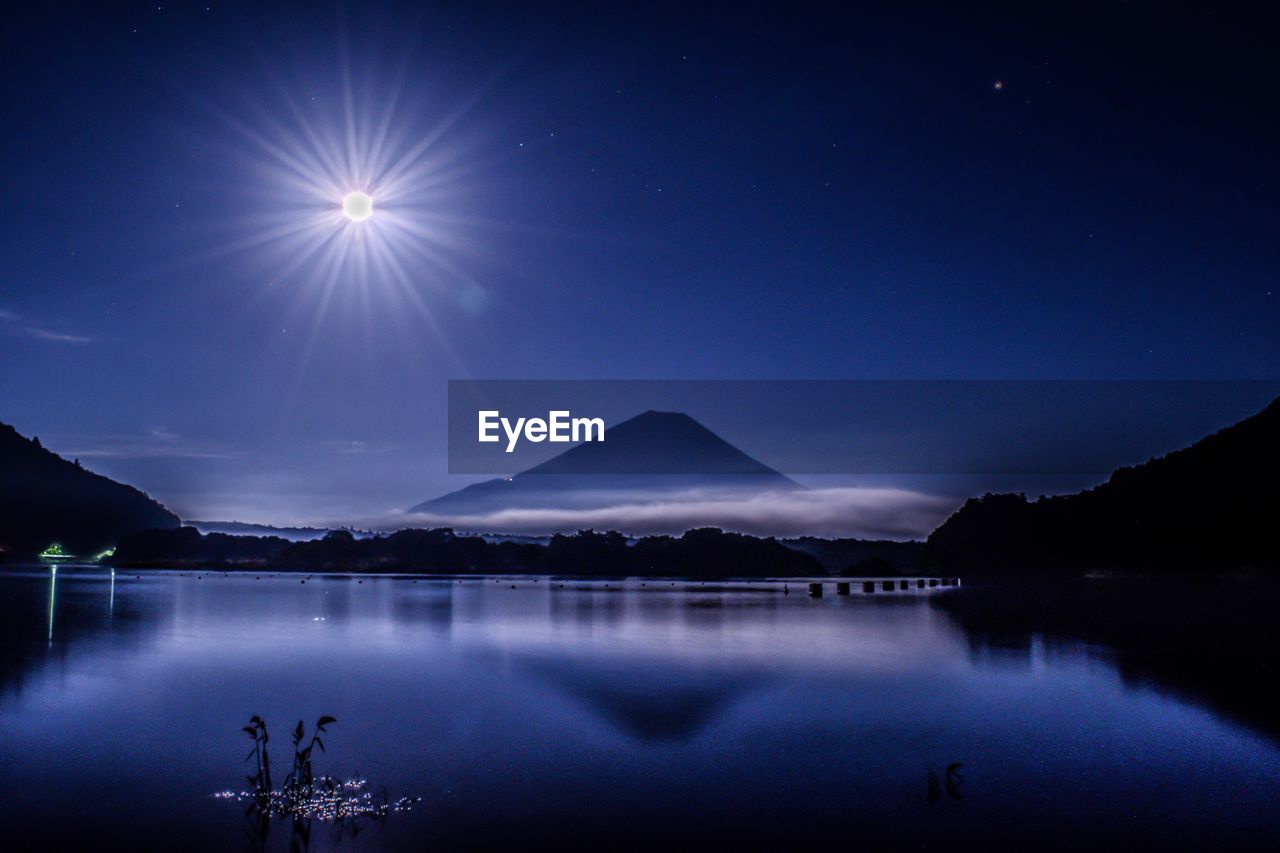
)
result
[(861, 557), (1208, 505), (46, 499), (641, 459)]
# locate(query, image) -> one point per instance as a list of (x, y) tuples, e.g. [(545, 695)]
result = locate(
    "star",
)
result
[(998, 85)]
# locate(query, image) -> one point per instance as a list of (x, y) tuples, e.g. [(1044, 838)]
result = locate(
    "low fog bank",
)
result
[(867, 513)]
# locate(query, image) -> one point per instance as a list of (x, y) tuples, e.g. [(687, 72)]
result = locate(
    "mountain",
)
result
[(46, 499), (246, 528), (673, 451), (1209, 505)]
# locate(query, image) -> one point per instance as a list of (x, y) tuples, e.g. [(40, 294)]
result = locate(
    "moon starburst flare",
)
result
[(357, 198)]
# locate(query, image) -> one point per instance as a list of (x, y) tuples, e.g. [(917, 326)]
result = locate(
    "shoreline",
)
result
[(931, 582)]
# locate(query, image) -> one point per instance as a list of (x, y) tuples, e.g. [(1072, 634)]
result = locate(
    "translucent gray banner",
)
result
[(713, 427)]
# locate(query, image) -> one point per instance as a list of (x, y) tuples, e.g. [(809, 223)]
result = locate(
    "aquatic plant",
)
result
[(304, 794), (261, 781), (301, 781), (952, 779)]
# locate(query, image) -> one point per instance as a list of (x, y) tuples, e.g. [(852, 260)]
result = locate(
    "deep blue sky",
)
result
[(725, 193)]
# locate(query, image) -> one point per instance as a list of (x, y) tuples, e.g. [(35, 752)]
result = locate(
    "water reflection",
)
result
[(1213, 640), (652, 703), (53, 596), (574, 712)]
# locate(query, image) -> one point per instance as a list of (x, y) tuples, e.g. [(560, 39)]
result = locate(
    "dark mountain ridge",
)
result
[(46, 499), (1210, 504)]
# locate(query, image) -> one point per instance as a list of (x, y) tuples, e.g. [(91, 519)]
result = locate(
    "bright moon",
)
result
[(357, 206)]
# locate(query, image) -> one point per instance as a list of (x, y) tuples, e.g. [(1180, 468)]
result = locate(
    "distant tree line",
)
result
[(704, 552)]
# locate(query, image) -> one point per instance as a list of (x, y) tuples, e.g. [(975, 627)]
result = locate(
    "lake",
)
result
[(637, 713)]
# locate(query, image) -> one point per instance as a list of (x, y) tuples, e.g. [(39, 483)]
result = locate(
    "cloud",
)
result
[(14, 324), (878, 513), (58, 337), (355, 447), (158, 443)]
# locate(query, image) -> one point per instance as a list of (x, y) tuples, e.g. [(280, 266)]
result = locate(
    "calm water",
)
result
[(597, 714)]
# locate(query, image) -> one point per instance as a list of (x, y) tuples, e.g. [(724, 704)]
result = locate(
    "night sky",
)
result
[(900, 191)]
